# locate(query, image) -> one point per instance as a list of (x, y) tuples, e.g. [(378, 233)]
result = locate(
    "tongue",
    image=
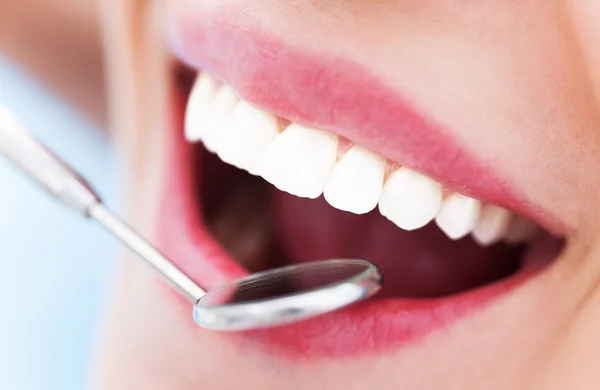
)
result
[(423, 263)]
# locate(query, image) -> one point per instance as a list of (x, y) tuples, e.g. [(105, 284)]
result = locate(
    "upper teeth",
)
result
[(307, 163), (356, 181), (300, 160), (493, 224), (409, 199), (247, 134), (458, 215)]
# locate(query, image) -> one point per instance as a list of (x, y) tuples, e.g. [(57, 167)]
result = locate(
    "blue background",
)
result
[(55, 268)]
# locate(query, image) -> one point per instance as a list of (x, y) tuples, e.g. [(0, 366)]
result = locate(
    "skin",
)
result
[(39, 36), (516, 83)]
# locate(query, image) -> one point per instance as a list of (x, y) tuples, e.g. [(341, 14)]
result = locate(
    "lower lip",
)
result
[(368, 327)]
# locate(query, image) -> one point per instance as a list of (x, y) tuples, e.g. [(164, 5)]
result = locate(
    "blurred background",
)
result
[(55, 266)]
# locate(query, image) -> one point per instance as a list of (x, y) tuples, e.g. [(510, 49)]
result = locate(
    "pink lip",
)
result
[(336, 95), (370, 327)]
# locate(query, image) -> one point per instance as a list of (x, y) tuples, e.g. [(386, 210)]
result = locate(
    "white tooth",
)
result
[(520, 230), (409, 199), (222, 106), (492, 225), (356, 181), (458, 215), (199, 106), (300, 160), (247, 134)]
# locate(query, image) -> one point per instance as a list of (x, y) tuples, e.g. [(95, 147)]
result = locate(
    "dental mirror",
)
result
[(287, 294), (271, 298)]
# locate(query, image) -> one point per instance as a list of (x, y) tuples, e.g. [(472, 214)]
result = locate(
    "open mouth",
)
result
[(272, 167), (259, 191), (275, 193)]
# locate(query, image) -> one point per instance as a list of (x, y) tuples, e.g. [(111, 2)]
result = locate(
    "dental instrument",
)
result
[(266, 299)]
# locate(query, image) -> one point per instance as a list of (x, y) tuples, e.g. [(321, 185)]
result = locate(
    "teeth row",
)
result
[(306, 162)]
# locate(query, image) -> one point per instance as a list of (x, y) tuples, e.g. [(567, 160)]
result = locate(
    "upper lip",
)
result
[(331, 93)]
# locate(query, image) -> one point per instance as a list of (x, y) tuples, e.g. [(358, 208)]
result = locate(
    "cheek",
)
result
[(585, 15), (519, 98)]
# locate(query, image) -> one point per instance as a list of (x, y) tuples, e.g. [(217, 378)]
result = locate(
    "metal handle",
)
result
[(60, 180), (43, 166), (146, 251)]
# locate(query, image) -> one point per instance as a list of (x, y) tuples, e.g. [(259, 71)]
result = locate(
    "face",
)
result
[(455, 145)]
